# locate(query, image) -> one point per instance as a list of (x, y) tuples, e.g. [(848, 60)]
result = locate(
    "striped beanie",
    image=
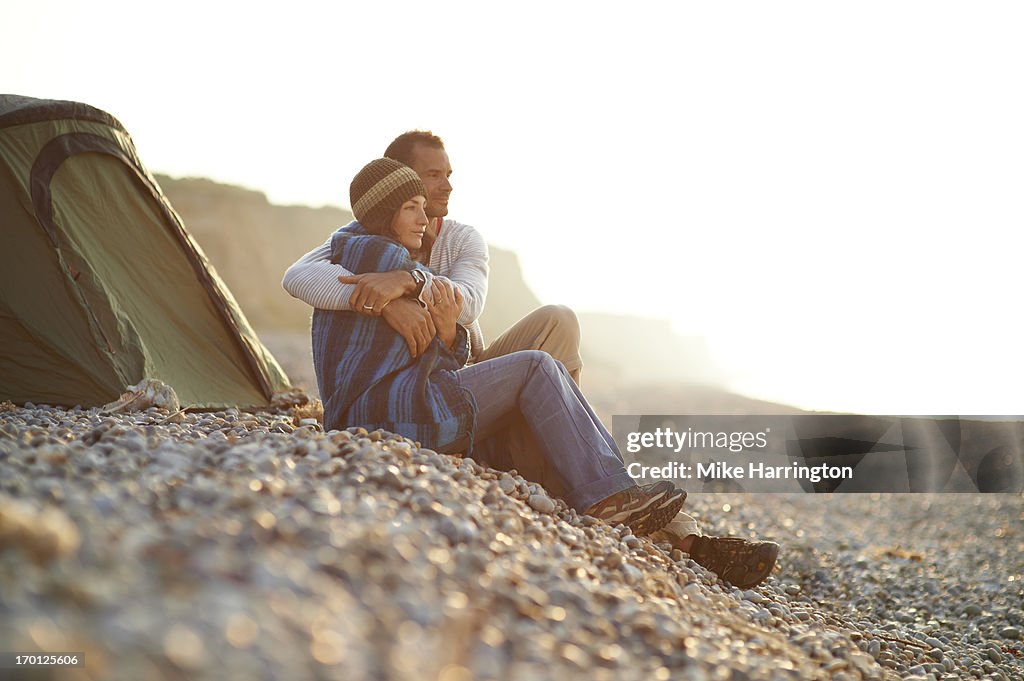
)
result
[(380, 189)]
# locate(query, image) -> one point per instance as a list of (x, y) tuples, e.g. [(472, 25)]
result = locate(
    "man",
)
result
[(460, 258), (458, 253)]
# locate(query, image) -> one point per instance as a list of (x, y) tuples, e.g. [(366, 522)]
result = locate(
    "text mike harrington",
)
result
[(755, 470)]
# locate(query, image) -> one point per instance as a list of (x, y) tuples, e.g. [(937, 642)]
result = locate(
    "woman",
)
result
[(368, 377)]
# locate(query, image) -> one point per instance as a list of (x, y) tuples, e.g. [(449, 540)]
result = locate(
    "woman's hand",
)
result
[(445, 309)]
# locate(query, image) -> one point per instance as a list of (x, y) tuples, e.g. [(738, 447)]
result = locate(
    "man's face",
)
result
[(432, 166)]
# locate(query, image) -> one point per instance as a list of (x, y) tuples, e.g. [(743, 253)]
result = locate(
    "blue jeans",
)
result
[(576, 454)]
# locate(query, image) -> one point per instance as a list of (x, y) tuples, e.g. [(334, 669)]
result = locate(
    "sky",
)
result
[(831, 194)]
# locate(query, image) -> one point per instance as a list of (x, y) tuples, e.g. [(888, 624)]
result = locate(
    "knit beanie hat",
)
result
[(380, 189)]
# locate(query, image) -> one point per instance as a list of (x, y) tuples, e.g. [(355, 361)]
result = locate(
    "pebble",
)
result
[(753, 597), (507, 484), (541, 503)]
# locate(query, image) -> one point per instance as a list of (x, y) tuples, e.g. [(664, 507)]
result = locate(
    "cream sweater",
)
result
[(459, 255)]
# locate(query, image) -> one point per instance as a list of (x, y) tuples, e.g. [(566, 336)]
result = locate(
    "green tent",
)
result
[(100, 283)]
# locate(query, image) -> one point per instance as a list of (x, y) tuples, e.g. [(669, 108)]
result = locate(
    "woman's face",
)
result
[(410, 222)]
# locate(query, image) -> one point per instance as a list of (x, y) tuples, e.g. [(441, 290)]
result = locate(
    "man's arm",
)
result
[(313, 279), (465, 266), (318, 282)]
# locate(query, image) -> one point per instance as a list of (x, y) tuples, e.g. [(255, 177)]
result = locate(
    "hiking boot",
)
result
[(642, 509), (740, 562)]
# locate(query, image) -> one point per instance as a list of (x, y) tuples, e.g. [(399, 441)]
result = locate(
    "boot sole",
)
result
[(657, 516), (624, 518)]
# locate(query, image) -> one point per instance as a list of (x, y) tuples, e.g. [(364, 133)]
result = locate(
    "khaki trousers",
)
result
[(552, 328), (676, 531)]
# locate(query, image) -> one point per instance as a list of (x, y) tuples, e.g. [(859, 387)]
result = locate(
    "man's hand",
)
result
[(374, 290), (412, 322)]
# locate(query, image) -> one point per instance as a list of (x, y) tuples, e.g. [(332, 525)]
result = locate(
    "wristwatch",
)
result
[(420, 279)]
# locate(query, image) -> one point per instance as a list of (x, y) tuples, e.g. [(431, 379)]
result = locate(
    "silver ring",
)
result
[(367, 307)]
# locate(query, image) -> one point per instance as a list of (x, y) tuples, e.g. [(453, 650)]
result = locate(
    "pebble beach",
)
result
[(237, 545)]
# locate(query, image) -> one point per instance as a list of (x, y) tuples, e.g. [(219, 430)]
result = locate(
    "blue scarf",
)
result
[(366, 374)]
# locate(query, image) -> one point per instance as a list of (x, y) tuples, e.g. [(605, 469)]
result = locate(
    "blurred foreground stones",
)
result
[(235, 545)]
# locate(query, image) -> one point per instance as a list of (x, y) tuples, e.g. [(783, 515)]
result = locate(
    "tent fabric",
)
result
[(100, 283)]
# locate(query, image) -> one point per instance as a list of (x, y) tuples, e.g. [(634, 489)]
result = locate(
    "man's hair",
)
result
[(401, 148)]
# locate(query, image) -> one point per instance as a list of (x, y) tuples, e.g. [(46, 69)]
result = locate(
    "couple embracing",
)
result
[(397, 345)]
